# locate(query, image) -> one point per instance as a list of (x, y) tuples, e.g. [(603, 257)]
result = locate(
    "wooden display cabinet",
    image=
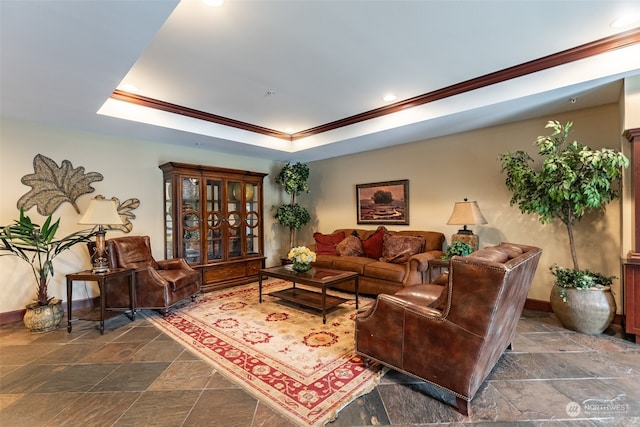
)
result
[(213, 219)]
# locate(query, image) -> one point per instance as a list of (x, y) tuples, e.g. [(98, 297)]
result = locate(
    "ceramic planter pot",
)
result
[(43, 318), (589, 311)]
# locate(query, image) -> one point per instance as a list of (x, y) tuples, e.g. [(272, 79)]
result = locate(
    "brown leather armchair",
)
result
[(159, 284), (452, 336)]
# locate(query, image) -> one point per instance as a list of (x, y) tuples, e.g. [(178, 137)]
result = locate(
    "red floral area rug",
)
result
[(279, 352)]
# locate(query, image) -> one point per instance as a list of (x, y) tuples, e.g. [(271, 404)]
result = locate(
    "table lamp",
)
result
[(101, 212), (466, 213)]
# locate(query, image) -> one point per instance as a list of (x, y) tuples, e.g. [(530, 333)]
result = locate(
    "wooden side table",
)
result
[(103, 280), (438, 263)]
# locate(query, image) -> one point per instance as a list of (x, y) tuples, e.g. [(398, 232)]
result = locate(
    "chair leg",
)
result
[(464, 406), (366, 361)]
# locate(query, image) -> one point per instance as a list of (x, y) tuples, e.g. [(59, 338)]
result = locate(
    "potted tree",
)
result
[(37, 246), (571, 180), (293, 178)]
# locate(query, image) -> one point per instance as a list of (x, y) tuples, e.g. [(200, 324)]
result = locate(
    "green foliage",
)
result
[(571, 180), (581, 279), (293, 177), (292, 216), (35, 245), (459, 248)]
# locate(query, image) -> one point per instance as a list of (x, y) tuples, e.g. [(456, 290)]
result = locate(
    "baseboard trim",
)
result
[(18, 315)]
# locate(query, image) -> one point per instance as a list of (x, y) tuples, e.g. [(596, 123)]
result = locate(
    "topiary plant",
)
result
[(293, 178)]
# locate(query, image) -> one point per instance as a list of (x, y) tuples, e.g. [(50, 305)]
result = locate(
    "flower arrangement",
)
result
[(302, 257)]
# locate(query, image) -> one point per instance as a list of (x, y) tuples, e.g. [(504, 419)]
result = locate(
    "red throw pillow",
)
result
[(372, 246), (326, 243)]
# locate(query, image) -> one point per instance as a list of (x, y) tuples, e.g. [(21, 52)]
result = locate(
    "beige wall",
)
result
[(130, 170), (444, 170), (441, 171)]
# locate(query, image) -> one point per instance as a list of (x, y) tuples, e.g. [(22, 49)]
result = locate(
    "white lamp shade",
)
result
[(466, 213), (101, 212)]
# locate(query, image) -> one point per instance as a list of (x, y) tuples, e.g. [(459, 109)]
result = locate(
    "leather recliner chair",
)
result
[(159, 284), (453, 335)]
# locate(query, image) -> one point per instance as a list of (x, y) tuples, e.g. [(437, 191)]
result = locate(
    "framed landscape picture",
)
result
[(383, 202)]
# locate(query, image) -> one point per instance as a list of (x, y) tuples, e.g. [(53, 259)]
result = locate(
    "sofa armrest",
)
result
[(420, 262)]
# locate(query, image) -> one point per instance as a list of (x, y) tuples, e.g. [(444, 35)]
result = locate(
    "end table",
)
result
[(436, 263), (103, 280)]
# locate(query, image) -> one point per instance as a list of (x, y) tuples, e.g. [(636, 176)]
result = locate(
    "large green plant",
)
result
[(293, 178), (571, 180), (37, 246)]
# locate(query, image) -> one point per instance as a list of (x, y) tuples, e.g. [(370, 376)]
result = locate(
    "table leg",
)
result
[(324, 305), (357, 283), (260, 287), (69, 296), (132, 294), (102, 304)]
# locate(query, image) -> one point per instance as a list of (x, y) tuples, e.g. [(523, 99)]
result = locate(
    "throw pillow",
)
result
[(350, 246), (398, 249), (372, 245), (326, 243)]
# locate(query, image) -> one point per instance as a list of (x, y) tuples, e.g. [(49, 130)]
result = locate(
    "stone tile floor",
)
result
[(134, 375)]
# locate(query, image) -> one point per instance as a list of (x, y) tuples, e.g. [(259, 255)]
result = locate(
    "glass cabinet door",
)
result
[(234, 218), (252, 219), (215, 220), (168, 219), (191, 220)]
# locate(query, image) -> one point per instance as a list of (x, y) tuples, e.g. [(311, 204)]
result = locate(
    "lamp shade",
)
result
[(101, 212), (466, 213)]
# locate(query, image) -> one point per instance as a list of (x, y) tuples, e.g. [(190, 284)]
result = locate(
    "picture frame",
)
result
[(385, 203)]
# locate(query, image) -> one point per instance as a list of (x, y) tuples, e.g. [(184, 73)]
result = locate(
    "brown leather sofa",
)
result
[(381, 277), (159, 284), (452, 336)]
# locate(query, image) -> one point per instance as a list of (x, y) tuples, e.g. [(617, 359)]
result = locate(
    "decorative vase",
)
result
[(589, 311), (43, 318), (301, 267)]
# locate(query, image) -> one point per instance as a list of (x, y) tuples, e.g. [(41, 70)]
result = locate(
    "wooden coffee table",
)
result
[(321, 278)]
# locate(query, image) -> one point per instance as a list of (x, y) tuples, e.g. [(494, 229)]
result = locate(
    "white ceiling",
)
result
[(294, 65)]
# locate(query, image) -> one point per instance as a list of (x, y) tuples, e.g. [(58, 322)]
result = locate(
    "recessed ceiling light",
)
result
[(389, 97), (128, 87), (213, 2), (626, 21)]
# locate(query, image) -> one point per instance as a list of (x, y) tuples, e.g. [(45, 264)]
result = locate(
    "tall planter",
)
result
[(589, 311)]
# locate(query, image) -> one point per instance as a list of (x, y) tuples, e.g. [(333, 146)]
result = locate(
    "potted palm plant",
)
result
[(572, 180), (293, 178), (37, 246)]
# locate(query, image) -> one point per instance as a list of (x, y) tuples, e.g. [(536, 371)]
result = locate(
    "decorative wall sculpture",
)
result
[(125, 211), (53, 185)]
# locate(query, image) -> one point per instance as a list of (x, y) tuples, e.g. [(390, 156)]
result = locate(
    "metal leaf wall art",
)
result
[(53, 185), (126, 215)]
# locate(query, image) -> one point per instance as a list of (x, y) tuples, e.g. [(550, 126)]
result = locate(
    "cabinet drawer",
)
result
[(253, 267), (224, 272)]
